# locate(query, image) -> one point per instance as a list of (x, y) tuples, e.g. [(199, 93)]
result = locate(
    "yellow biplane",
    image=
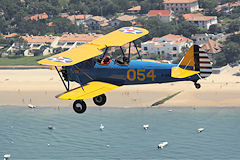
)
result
[(97, 72)]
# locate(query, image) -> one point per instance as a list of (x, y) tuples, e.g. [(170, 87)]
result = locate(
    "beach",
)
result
[(39, 87)]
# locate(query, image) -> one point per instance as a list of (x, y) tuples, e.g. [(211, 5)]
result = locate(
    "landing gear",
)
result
[(100, 100), (79, 106), (197, 85)]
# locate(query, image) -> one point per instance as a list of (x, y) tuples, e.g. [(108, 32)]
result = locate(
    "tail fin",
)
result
[(194, 62)]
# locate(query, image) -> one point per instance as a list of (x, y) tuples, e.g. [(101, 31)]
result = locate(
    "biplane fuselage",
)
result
[(136, 72)]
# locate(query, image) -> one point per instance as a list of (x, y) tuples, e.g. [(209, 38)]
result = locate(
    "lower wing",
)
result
[(90, 90)]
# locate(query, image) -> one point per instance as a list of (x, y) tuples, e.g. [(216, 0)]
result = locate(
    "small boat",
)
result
[(146, 126), (200, 130), (170, 110), (163, 144), (50, 127), (31, 106), (101, 127), (6, 156)]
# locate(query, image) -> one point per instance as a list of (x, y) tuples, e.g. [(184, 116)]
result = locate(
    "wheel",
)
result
[(100, 100), (197, 85), (79, 106)]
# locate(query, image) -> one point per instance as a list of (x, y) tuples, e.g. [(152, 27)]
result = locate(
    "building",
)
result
[(37, 17), (81, 18), (211, 47), (164, 16), (227, 7), (124, 18), (96, 22), (200, 20), (202, 38), (68, 41), (181, 5), (168, 46), (134, 10), (34, 44)]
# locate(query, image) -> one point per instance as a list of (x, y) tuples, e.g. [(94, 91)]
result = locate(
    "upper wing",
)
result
[(92, 89), (91, 49), (120, 37), (72, 56)]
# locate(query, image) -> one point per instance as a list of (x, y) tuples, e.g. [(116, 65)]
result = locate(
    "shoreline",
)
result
[(39, 87)]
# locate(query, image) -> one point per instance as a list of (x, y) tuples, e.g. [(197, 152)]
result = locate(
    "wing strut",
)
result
[(129, 50), (66, 86), (137, 50)]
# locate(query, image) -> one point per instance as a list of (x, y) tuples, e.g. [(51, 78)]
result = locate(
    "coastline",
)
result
[(39, 87)]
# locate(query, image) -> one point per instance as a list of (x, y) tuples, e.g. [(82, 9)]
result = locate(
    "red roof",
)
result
[(179, 1), (159, 12), (82, 16), (36, 17), (197, 17), (137, 8)]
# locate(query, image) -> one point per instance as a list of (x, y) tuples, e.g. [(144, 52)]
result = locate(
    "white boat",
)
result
[(31, 106), (6, 156), (101, 127), (146, 126), (200, 130), (163, 144), (51, 127), (170, 110)]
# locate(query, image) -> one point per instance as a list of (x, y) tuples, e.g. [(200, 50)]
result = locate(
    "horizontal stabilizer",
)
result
[(90, 90), (178, 72)]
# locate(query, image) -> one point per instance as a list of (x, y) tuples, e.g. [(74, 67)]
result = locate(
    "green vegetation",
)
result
[(20, 60), (165, 99), (230, 51)]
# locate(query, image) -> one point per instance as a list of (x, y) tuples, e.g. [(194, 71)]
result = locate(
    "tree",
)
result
[(214, 29), (187, 29), (234, 26)]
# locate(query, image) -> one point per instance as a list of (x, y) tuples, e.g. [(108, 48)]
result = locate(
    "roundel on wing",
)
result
[(130, 30), (60, 59)]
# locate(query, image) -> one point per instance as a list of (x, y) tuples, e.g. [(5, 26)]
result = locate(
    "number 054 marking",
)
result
[(140, 74)]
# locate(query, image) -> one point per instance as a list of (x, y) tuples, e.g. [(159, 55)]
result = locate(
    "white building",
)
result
[(164, 16), (81, 18), (68, 41), (202, 38), (124, 18), (181, 5), (97, 22), (168, 46), (200, 20), (35, 43)]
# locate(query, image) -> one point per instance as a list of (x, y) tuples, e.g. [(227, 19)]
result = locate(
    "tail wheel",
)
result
[(100, 100), (197, 85), (79, 106)]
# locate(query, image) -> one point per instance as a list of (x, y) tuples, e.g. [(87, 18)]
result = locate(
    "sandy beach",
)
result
[(39, 87)]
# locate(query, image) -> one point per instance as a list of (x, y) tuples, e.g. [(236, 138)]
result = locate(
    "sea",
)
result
[(24, 133)]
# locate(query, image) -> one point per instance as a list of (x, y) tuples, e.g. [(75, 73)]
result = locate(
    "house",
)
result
[(35, 43), (202, 38), (68, 41), (134, 10), (97, 22), (227, 7), (9, 36), (181, 5), (81, 18), (37, 17), (124, 18), (211, 47), (168, 46), (164, 16), (200, 20)]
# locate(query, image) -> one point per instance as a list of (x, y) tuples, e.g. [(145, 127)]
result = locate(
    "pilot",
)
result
[(106, 60)]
